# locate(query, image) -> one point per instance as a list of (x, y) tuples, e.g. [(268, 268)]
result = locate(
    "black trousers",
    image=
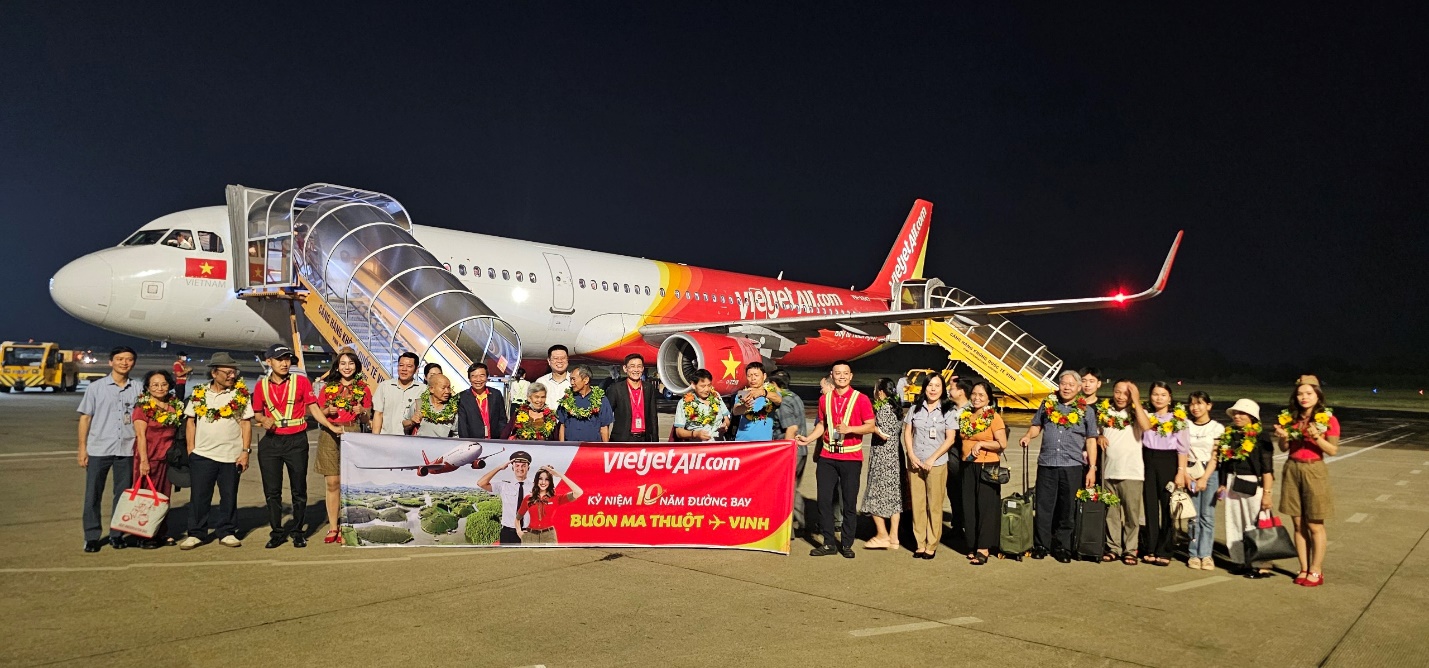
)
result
[(838, 477), (206, 473), (1056, 506), (1160, 529), (275, 453), (509, 537), (982, 509)]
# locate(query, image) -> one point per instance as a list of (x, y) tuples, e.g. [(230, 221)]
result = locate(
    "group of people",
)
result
[(949, 441), (1091, 448)]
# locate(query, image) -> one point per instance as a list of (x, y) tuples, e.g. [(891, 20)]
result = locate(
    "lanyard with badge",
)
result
[(835, 438)]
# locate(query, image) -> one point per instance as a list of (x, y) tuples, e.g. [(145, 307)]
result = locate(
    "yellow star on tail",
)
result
[(731, 365)]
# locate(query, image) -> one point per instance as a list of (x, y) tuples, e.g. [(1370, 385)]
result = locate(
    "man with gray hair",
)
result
[(1068, 460), (585, 413)]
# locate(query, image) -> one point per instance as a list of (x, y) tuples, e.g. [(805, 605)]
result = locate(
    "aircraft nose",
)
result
[(81, 288)]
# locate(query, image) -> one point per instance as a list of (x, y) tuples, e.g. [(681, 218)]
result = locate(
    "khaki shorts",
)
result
[(1305, 490), (330, 451), (547, 537)]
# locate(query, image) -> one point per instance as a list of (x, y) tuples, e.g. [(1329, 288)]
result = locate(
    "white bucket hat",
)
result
[(1245, 406)]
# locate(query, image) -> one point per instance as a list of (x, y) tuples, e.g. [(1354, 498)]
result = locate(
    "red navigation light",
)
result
[(1121, 297)]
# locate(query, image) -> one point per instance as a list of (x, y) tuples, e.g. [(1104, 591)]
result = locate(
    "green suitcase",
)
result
[(1015, 537)]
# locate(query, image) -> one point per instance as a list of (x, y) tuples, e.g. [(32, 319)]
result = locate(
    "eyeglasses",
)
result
[(225, 372)]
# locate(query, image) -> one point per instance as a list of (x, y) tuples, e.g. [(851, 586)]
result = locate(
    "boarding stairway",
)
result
[(1007, 356), (348, 258)]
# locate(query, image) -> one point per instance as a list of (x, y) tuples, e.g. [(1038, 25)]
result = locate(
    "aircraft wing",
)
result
[(397, 468), (800, 328)]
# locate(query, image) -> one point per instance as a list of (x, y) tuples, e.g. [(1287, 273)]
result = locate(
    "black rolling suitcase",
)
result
[(1015, 535), (1089, 532)]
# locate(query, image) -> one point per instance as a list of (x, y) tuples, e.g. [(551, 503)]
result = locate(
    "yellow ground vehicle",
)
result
[(25, 365)]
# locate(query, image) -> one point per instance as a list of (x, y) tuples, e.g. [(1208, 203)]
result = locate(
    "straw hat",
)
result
[(1245, 406)]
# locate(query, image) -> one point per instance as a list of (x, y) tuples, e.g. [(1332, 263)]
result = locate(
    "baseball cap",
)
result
[(278, 351)]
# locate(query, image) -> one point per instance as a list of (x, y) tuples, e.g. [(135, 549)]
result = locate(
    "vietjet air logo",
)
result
[(910, 244)]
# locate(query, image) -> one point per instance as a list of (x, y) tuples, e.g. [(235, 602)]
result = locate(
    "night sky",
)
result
[(1062, 150)]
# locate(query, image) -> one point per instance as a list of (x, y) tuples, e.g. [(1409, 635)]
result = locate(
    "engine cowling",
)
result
[(725, 357)]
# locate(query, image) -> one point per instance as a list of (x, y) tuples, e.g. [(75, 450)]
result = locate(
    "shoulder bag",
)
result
[(1182, 507)]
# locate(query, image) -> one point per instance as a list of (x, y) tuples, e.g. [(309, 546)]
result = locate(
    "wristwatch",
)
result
[(247, 450)]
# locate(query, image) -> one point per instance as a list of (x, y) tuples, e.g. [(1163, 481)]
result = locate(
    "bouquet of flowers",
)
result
[(1099, 493)]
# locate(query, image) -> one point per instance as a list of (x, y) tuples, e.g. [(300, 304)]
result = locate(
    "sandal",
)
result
[(1300, 577), (874, 544), (979, 559), (1162, 561), (1129, 559), (1317, 581), (332, 536), (1108, 557)]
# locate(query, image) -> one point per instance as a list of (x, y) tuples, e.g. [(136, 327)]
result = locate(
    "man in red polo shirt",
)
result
[(282, 403), (845, 416)]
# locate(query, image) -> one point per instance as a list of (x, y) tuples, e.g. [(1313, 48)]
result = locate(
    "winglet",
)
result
[(905, 261), (1166, 267)]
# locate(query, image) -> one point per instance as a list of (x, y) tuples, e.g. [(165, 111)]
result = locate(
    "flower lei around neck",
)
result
[(345, 397), (166, 413), (1079, 402), (763, 412), (972, 423), (526, 430), (1171, 426), (232, 409), (1288, 420), (1107, 416), (1227, 448), (701, 417), (446, 415), (568, 402)]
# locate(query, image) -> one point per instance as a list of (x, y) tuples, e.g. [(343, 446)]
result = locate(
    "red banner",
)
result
[(407, 490), (202, 267)]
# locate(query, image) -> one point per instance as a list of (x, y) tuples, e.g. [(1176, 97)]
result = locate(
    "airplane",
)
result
[(173, 280), (466, 454)]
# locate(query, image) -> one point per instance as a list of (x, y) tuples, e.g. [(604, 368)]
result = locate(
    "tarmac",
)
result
[(326, 605)]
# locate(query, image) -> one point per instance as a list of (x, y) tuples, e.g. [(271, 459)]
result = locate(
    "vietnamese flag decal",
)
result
[(199, 267)]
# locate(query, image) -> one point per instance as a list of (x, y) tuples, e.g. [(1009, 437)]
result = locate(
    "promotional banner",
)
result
[(417, 491)]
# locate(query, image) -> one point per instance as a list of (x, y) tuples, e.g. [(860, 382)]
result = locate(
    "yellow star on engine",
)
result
[(731, 365), (206, 269)]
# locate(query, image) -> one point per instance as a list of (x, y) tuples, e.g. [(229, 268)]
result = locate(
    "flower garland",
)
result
[(1168, 427), (1322, 420), (697, 417), (232, 409), (165, 413), (350, 399), (972, 423), (1049, 405), (526, 430), (767, 410), (1226, 450), (1109, 419), (568, 402), (429, 413), (1099, 493)]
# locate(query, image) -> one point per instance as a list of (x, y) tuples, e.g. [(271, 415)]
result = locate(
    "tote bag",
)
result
[(140, 510)]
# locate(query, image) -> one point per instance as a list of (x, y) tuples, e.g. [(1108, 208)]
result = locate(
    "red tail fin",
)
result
[(424, 458), (905, 261)]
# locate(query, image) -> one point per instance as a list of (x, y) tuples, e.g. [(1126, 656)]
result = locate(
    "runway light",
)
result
[(1120, 297), (1374, 390)]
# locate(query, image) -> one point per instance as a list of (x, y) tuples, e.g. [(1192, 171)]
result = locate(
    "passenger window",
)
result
[(180, 239), (447, 266), (461, 269), (531, 276), (490, 273), (604, 285), (582, 283), (519, 277), (677, 294), (144, 238), (662, 292), (647, 291), (505, 275), (475, 271), (627, 288)]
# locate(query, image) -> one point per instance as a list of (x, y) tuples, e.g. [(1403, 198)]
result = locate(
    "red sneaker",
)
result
[(1317, 580)]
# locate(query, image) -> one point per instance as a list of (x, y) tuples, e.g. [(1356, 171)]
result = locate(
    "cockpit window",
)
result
[(144, 238), (180, 239), (210, 242)]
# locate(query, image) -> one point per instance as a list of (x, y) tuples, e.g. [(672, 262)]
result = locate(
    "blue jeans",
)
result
[(95, 472), (1203, 528)]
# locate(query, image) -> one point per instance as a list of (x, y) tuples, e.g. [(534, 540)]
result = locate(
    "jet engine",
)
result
[(724, 357)]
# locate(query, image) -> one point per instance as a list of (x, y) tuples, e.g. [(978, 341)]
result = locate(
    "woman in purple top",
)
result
[(1164, 450)]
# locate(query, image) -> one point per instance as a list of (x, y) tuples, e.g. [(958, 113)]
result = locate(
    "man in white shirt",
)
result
[(394, 399), (511, 493), (558, 381), (220, 439)]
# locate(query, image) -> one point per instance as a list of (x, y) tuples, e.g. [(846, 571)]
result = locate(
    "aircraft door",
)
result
[(563, 290)]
